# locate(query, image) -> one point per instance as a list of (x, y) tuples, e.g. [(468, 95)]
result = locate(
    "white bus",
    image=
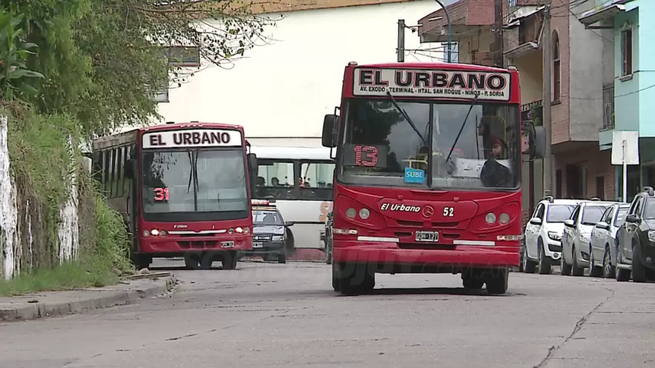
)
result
[(280, 171)]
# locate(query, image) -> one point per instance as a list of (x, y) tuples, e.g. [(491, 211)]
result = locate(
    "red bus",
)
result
[(184, 190), (428, 173)]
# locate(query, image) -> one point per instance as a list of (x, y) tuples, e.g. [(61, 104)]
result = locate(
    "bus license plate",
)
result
[(258, 244), (427, 236)]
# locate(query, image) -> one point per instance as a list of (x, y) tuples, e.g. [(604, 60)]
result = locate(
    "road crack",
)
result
[(576, 329)]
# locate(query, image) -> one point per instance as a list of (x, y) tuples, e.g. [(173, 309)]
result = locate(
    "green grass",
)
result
[(73, 275)]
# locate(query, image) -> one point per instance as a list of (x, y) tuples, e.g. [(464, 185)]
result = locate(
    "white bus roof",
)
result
[(291, 153)]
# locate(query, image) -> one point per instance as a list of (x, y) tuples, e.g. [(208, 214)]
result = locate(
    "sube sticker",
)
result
[(414, 176)]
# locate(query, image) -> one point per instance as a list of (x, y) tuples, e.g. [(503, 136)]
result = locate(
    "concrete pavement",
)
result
[(286, 315)]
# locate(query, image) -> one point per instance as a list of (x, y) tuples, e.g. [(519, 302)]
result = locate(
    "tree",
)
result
[(103, 60)]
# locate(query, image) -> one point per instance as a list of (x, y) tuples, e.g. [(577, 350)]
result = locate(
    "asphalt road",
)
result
[(273, 315)]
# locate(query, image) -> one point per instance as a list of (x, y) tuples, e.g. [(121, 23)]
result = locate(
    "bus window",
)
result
[(316, 180), (274, 179)]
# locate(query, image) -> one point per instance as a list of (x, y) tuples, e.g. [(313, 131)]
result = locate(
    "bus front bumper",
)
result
[(180, 245), (466, 254)]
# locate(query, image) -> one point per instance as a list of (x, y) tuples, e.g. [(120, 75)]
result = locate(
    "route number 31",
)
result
[(448, 211), (161, 194)]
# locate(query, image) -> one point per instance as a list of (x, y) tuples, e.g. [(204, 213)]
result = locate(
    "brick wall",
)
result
[(598, 164)]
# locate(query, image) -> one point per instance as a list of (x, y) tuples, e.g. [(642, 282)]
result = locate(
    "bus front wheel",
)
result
[(497, 282)]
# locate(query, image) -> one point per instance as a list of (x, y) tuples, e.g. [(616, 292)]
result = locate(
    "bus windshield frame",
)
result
[(469, 133), (198, 174)]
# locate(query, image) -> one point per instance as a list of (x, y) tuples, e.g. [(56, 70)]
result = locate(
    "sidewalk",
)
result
[(59, 303)]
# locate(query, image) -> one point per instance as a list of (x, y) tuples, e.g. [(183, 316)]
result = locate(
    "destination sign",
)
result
[(192, 138), (431, 83)]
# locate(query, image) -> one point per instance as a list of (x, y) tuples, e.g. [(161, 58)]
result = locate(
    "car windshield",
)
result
[(557, 213), (592, 214), (450, 145), (620, 217), (195, 181), (266, 218)]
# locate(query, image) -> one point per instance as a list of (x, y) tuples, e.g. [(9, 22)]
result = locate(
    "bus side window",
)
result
[(317, 180)]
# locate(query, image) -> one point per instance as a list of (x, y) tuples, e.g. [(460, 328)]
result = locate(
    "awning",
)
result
[(608, 11)]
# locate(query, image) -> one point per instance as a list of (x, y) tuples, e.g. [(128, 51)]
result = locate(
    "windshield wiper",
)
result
[(395, 104), (475, 99), (193, 160)]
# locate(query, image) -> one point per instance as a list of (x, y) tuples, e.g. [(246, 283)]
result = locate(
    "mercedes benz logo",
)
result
[(428, 211)]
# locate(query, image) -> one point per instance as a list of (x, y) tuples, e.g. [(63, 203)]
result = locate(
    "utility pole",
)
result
[(546, 104), (401, 41), (498, 55)]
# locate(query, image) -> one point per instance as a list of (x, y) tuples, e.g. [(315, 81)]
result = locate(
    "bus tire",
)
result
[(360, 281), (191, 261), (230, 260), (291, 243), (498, 282), (140, 261), (206, 261)]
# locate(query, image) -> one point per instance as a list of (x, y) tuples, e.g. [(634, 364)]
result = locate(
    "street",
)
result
[(286, 315)]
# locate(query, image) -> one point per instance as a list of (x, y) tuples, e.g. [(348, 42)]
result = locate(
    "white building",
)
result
[(282, 91)]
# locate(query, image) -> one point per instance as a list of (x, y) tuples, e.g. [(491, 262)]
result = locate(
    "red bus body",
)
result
[(385, 239), (172, 228)]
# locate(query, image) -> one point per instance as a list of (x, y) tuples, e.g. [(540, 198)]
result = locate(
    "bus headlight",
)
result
[(154, 232), (246, 230), (230, 231), (364, 213), (146, 233), (239, 230), (490, 218), (351, 213), (503, 218)]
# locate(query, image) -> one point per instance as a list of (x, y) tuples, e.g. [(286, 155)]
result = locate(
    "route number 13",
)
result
[(448, 211)]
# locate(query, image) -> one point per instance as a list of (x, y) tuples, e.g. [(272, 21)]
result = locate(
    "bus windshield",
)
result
[(197, 181), (449, 145)]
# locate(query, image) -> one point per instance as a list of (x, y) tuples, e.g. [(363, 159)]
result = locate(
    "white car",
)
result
[(576, 236), (603, 241), (543, 234)]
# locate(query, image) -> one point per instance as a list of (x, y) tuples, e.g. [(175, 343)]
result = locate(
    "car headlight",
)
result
[(554, 235), (651, 235), (277, 238)]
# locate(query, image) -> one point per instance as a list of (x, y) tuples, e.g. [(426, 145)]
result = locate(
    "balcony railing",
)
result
[(608, 107)]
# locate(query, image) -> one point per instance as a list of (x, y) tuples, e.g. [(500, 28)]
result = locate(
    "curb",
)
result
[(109, 299)]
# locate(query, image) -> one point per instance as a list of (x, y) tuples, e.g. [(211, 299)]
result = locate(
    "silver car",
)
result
[(577, 234), (603, 241)]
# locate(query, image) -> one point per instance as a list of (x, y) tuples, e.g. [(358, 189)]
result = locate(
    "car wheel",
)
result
[(594, 271), (622, 275), (608, 268), (544, 260), (638, 269), (575, 269), (529, 266)]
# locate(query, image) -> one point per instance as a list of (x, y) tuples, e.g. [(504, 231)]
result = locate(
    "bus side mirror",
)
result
[(538, 143), (130, 166), (251, 159), (330, 125)]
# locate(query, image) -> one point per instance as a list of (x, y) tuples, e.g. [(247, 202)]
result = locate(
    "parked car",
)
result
[(604, 242), (577, 234), (636, 250), (542, 236)]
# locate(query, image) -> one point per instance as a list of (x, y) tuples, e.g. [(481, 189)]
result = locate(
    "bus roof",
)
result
[(291, 153), (436, 65), (130, 136)]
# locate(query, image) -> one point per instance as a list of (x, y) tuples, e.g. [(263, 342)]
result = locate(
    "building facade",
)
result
[(579, 72), (281, 90), (632, 84)]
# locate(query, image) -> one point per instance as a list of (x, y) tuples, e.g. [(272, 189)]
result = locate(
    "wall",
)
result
[(586, 89), (626, 101), (479, 40), (560, 17), (645, 34), (284, 89), (598, 164), (531, 69)]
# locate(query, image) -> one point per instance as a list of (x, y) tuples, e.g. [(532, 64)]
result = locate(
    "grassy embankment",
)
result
[(42, 165)]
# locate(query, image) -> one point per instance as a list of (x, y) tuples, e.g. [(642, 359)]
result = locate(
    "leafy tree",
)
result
[(13, 55), (102, 60)]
